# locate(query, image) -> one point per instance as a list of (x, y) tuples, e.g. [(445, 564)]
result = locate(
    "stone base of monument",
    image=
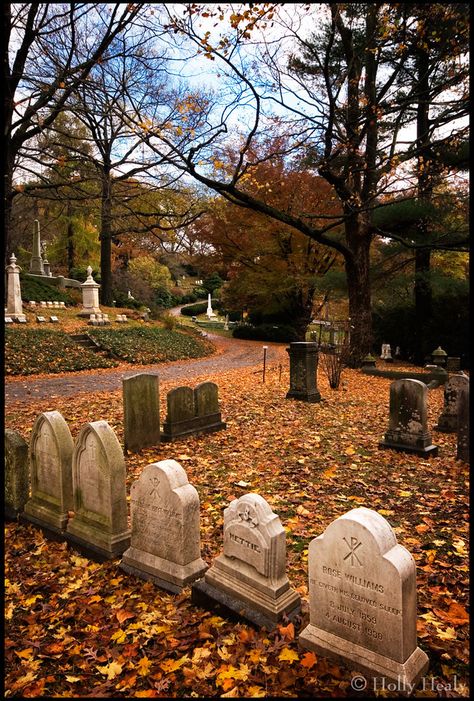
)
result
[(303, 395), (428, 450), (164, 573), (100, 546), (51, 531), (405, 675), (245, 593), (200, 424)]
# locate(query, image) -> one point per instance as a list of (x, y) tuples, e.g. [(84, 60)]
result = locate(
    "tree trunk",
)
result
[(106, 239), (358, 287), (70, 241)]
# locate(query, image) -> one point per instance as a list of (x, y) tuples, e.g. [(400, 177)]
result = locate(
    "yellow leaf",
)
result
[(233, 693), (404, 493), (119, 636), (73, 679), (111, 670), (385, 512), (169, 666), (302, 511), (256, 691), (349, 451), (32, 599), (200, 653), (288, 655), (25, 654), (144, 666), (448, 634)]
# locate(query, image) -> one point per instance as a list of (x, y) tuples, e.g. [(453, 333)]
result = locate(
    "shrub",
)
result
[(32, 351), (266, 332), (169, 321), (333, 363), (39, 291)]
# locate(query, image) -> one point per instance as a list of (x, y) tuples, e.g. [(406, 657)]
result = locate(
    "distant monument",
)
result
[(36, 263), (90, 295), (209, 313), (14, 308)]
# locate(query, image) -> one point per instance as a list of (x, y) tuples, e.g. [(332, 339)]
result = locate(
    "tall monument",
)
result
[(36, 264), (14, 304)]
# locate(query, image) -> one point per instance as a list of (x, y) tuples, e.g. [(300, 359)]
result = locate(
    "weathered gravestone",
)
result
[(100, 523), (448, 419), (408, 423), (17, 473), (51, 448), (192, 412), (141, 408), (362, 599), (303, 371), (249, 579), (165, 545), (462, 450)]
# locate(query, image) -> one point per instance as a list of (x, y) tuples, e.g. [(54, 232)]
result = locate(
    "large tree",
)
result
[(41, 68), (335, 93)]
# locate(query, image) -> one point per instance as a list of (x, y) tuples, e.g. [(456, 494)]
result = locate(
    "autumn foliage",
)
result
[(77, 628)]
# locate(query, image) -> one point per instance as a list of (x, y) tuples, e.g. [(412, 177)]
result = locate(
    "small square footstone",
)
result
[(249, 579), (362, 599), (50, 453), (99, 527), (165, 545)]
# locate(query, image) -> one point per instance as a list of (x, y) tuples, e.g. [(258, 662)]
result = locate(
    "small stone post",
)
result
[(303, 371)]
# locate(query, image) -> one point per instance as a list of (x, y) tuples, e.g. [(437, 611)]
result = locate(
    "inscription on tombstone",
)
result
[(100, 522), (362, 596), (448, 419), (17, 473), (51, 448), (141, 407), (408, 423), (249, 578), (165, 544)]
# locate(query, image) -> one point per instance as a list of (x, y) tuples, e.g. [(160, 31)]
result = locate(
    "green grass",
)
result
[(150, 345), (34, 351)]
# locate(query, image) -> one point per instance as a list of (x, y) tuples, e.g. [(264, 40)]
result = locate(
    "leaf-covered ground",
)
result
[(76, 628)]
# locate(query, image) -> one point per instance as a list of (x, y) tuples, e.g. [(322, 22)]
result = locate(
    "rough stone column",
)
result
[(303, 371), (36, 264)]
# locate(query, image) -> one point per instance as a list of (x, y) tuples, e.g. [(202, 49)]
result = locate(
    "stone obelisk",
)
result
[(36, 264)]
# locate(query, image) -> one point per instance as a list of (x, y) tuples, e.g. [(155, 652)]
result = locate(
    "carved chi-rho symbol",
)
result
[(353, 545), (155, 482)]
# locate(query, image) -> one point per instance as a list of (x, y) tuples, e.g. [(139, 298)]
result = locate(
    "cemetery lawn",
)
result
[(60, 353), (77, 628)]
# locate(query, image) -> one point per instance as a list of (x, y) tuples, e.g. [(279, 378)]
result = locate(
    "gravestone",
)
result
[(303, 371), (141, 408), (41, 319), (192, 412), (408, 423), (54, 319), (165, 545), (99, 526), (462, 450), (448, 419), (51, 448), (249, 579), (8, 320), (17, 473), (362, 600)]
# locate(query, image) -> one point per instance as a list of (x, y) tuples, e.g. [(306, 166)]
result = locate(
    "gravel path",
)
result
[(231, 354)]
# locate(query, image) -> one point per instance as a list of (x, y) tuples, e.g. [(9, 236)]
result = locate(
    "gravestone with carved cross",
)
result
[(249, 579), (165, 545), (362, 596)]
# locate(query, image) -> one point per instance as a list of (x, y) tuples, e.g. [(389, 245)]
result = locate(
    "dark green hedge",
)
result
[(266, 332), (37, 290)]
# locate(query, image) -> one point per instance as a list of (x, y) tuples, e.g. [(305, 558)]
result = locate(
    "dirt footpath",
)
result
[(230, 354)]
